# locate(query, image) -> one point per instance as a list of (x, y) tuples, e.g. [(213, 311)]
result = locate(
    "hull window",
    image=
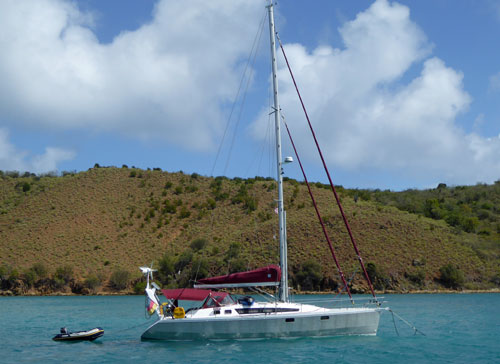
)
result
[(265, 310)]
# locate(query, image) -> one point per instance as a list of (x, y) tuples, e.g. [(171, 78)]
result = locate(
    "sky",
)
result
[(402, 94)]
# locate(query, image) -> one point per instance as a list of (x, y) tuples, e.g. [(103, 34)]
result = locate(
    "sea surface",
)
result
[(458, 328)]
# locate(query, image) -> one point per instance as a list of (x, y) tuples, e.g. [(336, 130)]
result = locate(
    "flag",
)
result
[(151, 301), (152, 306)]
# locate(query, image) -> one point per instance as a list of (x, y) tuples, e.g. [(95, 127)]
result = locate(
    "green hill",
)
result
[(90, 231)]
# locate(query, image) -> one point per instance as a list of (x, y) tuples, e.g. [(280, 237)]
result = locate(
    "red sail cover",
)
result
[(266, 276)]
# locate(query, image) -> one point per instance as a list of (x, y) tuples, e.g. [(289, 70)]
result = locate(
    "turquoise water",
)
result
[(459, 328)]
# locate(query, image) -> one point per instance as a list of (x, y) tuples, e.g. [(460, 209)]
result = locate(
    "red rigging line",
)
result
[(319, 215), (328, 174)]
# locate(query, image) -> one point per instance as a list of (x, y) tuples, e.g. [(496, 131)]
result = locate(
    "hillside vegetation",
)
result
[(88, 232)]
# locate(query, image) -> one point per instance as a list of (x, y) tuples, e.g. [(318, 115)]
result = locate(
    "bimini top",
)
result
[(266, 276), (188, 294)]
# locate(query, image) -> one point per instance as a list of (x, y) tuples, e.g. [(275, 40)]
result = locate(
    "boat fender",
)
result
[(179, 313)]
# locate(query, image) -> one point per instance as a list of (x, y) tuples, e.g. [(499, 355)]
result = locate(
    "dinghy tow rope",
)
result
[(415, 330), (133, 327)]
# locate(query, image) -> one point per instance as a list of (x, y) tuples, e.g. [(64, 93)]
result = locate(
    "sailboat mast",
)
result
[(283, 292)]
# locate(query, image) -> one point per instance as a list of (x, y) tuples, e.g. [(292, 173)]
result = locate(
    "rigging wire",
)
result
[(325, 233), (259, 155), (346, 223), (415, 330), (267, 139), (243, 101), (255, 41)]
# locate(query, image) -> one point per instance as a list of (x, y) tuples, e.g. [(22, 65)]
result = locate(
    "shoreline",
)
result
[(131, 293)]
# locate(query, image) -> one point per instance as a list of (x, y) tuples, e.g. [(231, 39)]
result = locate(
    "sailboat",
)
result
[(219, 315)]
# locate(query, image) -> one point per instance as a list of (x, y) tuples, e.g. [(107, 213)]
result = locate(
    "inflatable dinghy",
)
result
[(88, 335)]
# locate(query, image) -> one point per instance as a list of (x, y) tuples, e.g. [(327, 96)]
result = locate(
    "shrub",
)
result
[(169, 208), (451, 276), (64, 274), (417, 276), (184, 260), (13, 275), (40, 270), (240, 196), (139, 287), (211, 204), (26, 187), (233, 251), (199, 269), (133, 173), (308, 276), (264, 216), (92, 282), (469, 224), (184, 213), (237, 265), (119, 279), (4, 272), (433, 209), (29, 277), (198, 244), (166, 269), (250, 204), (191, 189), (377, 277), (496, 278)]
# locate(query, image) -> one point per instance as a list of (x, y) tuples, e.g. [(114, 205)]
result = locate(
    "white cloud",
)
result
[(167, 80), (366, 116), (478, 122), (495, 7), (13, 159), (495, 82)]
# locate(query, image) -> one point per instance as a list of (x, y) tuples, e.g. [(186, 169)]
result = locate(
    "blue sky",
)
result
[(403, 94)]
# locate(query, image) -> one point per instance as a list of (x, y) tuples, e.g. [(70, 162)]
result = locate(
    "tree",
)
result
[(184, 260), (166, 269), (377, 276), (308, 276), (199, 268), (451, 276)]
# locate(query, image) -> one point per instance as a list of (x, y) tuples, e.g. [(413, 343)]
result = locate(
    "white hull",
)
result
[(309, 322)]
